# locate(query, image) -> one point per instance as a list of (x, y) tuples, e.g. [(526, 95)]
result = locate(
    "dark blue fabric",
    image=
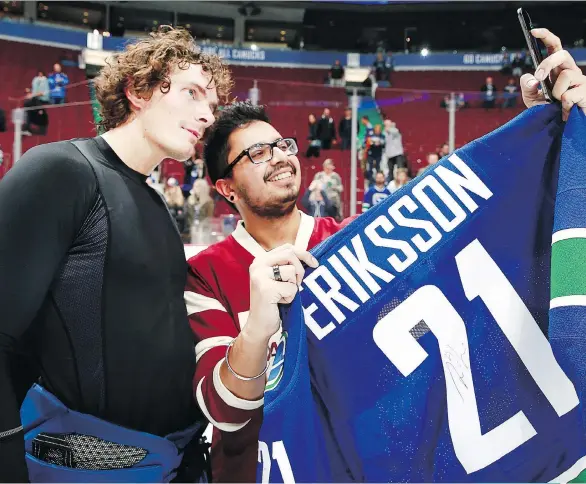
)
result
[(344, 411), (568, 324)]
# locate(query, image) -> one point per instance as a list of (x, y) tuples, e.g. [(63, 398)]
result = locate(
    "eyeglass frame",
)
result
[(246, 152)]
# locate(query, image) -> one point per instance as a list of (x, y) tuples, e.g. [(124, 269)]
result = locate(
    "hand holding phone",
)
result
[(535, 51)]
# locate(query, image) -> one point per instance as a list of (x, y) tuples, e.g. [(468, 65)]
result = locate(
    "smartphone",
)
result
[(535, 46)]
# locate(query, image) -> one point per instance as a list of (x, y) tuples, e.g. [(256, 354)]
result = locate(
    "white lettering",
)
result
[(349, 278), (470, 181), (363, 267), (434, 234), (384, 223), (333, 293), (248, 54), (314, 326), (488, 58), (279, 455), (445, 197)]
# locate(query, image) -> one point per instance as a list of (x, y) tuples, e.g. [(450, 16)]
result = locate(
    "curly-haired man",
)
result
[(92, 271)]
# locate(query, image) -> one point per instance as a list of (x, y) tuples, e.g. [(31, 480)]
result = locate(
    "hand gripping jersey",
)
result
[(418, 350)]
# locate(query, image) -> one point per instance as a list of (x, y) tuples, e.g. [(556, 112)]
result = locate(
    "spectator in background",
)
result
[(326, 130), (345, 129), (368, 129), (40, 88), (375, 145), (58, 81), (38, 96), (489, 94), (377, 193), (194, 169), (393, 154), (175, 202), (187, 184), (510, 93), (507, 68), (367, 126), (518, 64), (337, 74), (461, 101), (199, 207), (444, 150), (332, 184), (390, 64), (401, 178), (381, 68), (314, 142), (199, 171), (316, 201), (445, 102), (432, 158)]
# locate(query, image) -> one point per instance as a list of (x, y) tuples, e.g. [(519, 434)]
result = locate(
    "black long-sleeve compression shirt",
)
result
[(92, 273)]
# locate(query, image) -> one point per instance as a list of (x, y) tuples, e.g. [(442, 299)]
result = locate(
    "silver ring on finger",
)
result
[(277, 274)]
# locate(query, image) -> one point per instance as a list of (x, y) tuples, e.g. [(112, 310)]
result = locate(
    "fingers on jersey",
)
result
[(288, 251), (576, 96), (286, 290), (287, 255), (288, 273)]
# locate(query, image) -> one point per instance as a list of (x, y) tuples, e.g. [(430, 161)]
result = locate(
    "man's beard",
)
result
[(272, 208)]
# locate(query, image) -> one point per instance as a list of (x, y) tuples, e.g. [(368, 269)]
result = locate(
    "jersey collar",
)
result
[(253, 247)]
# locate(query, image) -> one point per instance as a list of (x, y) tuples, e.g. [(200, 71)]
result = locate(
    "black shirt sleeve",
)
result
[(43, 202)]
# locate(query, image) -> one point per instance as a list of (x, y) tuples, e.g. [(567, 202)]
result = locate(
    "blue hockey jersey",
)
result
[(374, 196), (418, 350)]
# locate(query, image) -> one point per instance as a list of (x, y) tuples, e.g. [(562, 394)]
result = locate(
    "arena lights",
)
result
[(425, 52)]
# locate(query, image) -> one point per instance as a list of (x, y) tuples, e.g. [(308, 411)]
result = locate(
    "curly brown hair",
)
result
[(145, 65)]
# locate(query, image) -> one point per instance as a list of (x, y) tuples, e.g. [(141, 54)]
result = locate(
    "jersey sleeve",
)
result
[(43, 202), (214, 329)]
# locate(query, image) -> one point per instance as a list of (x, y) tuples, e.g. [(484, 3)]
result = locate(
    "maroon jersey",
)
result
[(217, 298)]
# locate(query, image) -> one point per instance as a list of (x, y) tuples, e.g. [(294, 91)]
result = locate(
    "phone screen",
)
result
[(536, 50)]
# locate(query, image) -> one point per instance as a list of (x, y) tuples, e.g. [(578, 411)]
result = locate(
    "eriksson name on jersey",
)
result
[(339, 285)]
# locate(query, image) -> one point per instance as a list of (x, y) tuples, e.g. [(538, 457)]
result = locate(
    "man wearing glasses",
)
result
[(234, 286)]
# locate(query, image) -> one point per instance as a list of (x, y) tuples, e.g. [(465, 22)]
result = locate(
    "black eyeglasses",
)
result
[(263, 152)]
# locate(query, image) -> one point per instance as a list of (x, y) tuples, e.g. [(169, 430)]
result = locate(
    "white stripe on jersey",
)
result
[(207, 344), (231, 399), (225, 426), (564, 301), (577, 233), (197, 303)]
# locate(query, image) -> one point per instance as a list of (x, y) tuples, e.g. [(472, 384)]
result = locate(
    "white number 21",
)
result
[(480, 277), (280, 455)]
